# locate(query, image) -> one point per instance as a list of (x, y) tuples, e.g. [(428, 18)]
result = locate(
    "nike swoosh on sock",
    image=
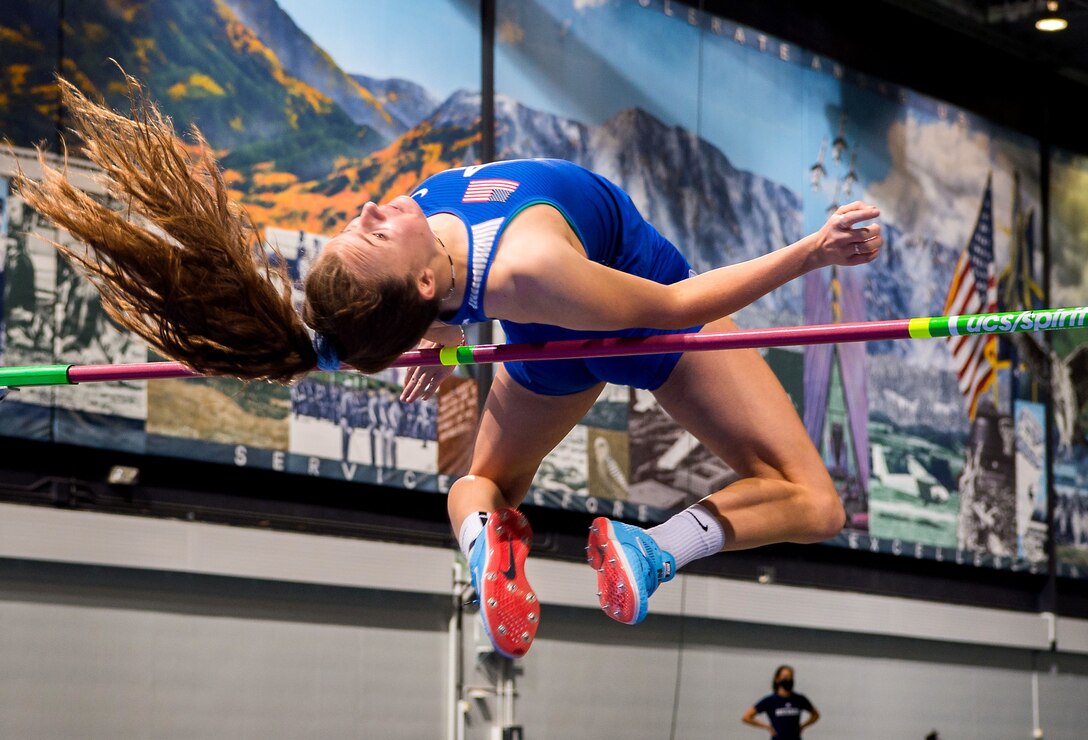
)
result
[(699, 522)]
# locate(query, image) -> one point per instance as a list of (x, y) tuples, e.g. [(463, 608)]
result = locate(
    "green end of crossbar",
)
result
[(456, 356), (16, 377), (924, 328)]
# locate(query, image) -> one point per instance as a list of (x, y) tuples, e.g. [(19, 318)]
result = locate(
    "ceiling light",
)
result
[(1051, 24), (1051, 21)]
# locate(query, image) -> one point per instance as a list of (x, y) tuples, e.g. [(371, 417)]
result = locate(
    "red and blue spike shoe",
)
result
[(630, 566), (508, 605)]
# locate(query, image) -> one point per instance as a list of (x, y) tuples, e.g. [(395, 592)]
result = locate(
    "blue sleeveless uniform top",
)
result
[(486, 198)]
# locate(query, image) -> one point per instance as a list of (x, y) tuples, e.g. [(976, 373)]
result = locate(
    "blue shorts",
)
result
[(565, 377)]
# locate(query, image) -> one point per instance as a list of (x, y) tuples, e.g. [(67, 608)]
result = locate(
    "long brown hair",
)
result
[(191, 282), (370, 321)]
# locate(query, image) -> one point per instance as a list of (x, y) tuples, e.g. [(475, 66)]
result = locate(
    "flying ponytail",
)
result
[(187, 276)]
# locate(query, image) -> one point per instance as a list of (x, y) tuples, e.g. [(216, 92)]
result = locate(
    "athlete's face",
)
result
[(395, 236)]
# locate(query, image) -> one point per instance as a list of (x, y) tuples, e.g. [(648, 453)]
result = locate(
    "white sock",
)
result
[(692, 534), (470, 531)]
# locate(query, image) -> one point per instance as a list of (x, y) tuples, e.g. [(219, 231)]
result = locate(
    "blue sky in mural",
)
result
[(588, 60), (769, 116), (591, 59), (765, 114), (434, 43)]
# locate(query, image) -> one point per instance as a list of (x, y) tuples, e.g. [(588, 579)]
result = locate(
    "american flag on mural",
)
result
[(489, 189), (974, 290)]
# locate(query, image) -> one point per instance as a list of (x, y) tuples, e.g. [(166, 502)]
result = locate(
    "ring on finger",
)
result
[(857, 248)]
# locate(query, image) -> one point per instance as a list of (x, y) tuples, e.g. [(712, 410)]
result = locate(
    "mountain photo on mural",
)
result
[(730, 142), (303, 144)]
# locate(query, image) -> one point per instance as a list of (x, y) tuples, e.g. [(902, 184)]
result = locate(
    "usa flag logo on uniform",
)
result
[(489, 189)]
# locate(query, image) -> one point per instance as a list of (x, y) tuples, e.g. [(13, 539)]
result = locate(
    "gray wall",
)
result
[(92, 654), (593, 678), (92, 649)]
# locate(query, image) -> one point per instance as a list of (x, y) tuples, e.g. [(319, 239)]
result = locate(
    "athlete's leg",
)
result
[(733, 403), (517, 429)]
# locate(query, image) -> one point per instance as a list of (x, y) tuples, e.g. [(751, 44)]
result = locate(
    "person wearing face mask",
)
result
[(783, 708)]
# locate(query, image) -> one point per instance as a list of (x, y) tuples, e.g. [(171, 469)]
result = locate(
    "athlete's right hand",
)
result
[(844, 241), (421, 383)]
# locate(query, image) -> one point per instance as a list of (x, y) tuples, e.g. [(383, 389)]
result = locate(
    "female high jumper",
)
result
[(551, 250)]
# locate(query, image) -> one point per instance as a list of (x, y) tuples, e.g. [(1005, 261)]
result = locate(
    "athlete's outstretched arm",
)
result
[(558, 286)]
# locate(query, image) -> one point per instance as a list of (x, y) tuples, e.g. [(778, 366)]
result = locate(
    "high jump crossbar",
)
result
[(1009, 322)]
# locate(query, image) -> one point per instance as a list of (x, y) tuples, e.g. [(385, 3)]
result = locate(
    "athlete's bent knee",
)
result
[(824, 515)]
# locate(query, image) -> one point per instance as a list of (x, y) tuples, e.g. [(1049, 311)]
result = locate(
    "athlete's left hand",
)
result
[(422, 382), (844, 241)]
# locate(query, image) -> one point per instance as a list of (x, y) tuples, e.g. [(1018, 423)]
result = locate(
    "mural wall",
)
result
[(734, 143), (731, 142), (1069, 360)]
